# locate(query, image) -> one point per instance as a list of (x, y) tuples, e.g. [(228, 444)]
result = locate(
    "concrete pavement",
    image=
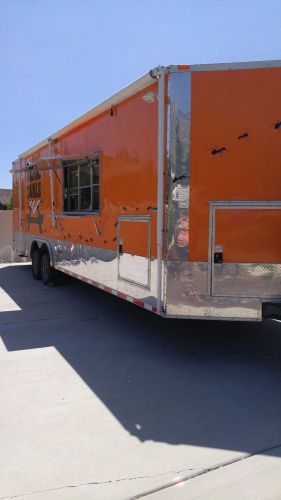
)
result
[(102, 400), (253, 478)]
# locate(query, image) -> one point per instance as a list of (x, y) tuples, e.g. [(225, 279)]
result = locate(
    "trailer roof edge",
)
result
[(236, 65), (136, 86)]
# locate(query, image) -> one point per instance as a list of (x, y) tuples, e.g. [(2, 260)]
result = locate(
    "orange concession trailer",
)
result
[(166, 194)]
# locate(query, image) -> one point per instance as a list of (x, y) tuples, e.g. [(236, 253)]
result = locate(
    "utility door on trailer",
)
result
[(245, 249), (134, 250)]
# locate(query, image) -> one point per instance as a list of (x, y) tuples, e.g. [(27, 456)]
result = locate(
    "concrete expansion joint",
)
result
[(203, 471), (195, 472)]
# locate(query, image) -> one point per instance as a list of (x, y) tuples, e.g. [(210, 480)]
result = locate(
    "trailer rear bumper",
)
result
[(271, 310)]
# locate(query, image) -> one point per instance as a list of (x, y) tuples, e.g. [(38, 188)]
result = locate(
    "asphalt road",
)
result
[(103, 400)]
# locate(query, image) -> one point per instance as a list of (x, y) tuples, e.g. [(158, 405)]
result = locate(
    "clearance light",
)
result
[(150, 97), (182, 67)]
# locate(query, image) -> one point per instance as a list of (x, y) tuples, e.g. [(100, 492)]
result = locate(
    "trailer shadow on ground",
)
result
[(206, 383)]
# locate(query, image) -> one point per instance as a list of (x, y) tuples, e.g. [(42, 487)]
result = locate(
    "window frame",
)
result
[(91, 157)]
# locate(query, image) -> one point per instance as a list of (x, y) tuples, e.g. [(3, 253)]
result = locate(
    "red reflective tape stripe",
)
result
[(106, 288), (138, 302)]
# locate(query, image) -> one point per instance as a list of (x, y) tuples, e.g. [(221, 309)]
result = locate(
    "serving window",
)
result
[(81, 184)]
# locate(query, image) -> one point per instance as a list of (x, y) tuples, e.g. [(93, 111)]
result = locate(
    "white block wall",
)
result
[(6, 236)]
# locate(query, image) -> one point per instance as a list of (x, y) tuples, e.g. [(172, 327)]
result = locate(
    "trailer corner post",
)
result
[(20, 209), (52, 193), (160, 183), (51, 143)]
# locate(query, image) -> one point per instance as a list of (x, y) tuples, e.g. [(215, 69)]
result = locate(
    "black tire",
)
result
[(47, 271), (36, 265)]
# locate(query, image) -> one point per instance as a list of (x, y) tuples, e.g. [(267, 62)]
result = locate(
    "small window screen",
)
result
[(81, 184)]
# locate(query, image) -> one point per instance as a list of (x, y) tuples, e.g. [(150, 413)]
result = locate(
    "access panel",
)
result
[(134, 262), (245, 249)]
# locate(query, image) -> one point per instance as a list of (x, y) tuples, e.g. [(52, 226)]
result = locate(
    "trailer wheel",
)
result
[(36, 265), (47, 271)]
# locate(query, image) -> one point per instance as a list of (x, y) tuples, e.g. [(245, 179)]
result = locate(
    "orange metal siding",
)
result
[(225, 105), (249, 235), (128, 173)]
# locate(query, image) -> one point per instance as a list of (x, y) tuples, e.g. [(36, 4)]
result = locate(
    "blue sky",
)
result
[(59, 58)]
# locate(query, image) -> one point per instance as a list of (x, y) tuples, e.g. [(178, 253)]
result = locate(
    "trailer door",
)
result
[(134, 250), (245, 249)]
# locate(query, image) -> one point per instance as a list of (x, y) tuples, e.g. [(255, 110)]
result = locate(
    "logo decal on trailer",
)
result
[(34, 204), (34, 198)]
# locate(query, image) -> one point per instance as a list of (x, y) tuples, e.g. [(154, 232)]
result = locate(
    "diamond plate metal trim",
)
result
[(187, 296), (247, 280)]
